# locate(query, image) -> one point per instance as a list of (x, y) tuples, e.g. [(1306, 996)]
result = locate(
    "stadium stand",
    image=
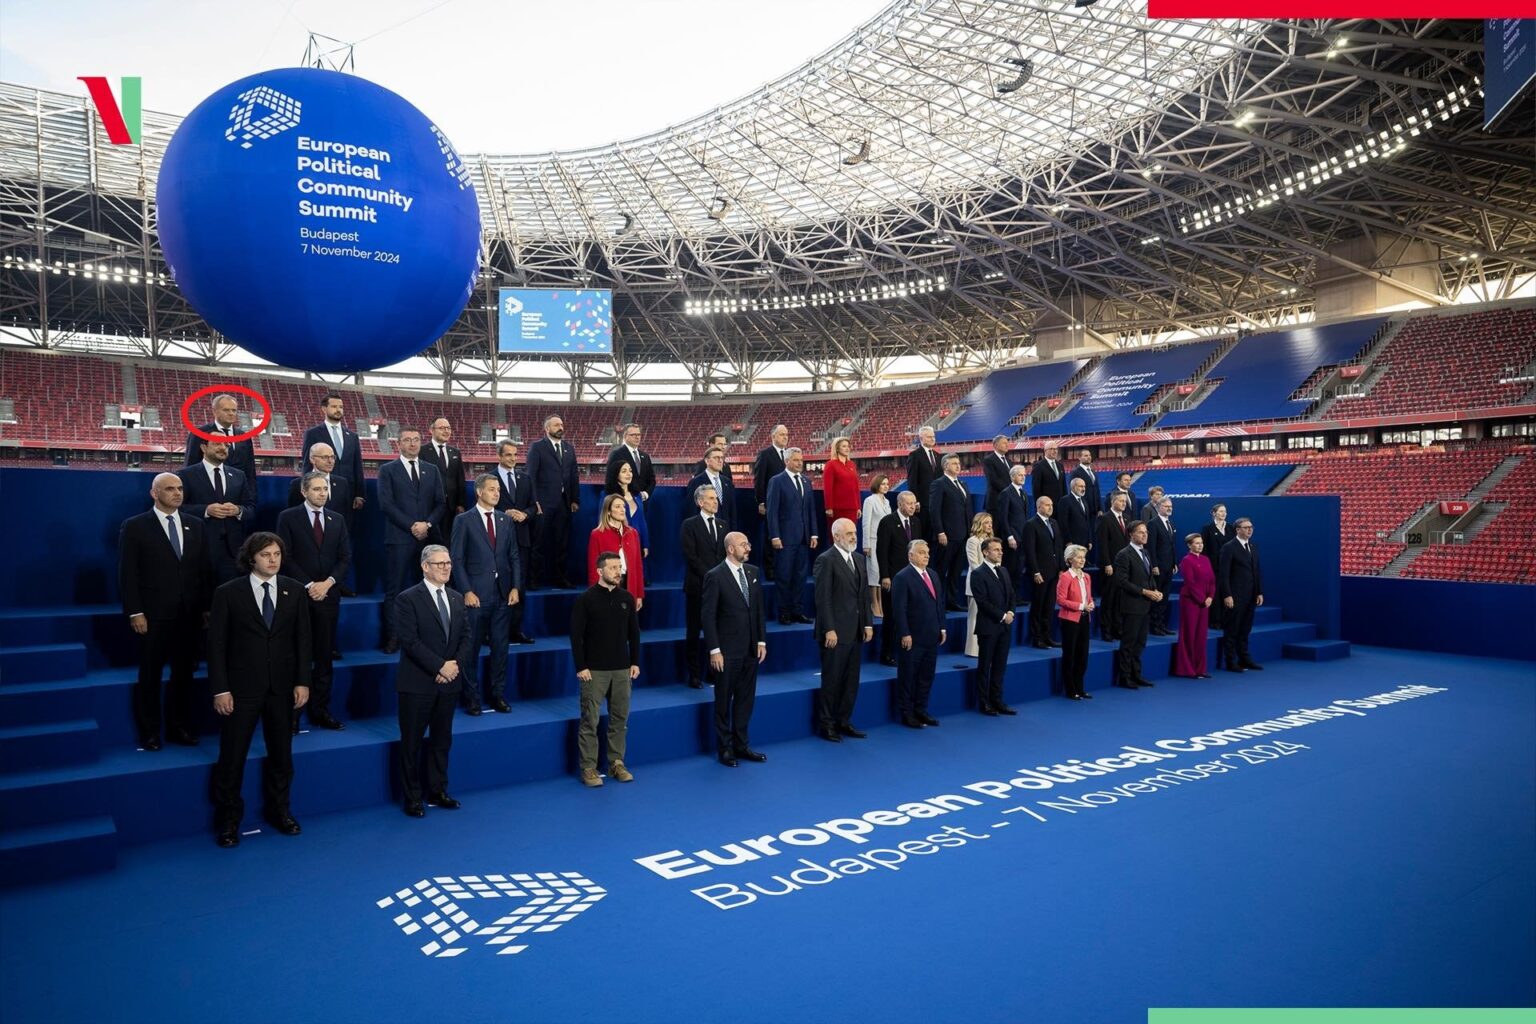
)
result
[(891, 423), (1501, 552), (1108, 398), (992, 407)]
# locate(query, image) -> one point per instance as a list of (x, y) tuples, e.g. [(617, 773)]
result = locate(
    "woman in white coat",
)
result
[(981, 530), (876, 507)]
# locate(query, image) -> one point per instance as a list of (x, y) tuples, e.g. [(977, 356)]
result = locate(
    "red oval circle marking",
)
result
[(239, 389)]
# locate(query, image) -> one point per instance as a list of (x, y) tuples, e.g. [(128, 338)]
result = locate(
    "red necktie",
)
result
[(319, 532), (929, 584), (490, 528)]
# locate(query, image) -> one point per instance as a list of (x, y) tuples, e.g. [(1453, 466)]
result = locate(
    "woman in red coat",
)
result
[(1195, 599), (1074, 599), (840, 485), (614, 534)]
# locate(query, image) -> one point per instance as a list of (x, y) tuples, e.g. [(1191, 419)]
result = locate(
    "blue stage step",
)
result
[(1316, 650), (25, 748), (41, 663), (62, 849)]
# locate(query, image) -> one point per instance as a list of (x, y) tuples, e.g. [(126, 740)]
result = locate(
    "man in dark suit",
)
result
[(844, 622), (516, 500), (1138, 592), (1010, 515), (164, 579), (992, 589), (1048, 478), (714, 474), (716, 440), (1074, 515), (1044, 547), (792, 530), (486, 571), (917, 612), (924, 465), (736, 636), (1163, 543), (214, 494), (319, 551), (259, 657), (1113, 534), (769, 465), (1240, 589), (643, 484), (949, 520), (346, 450), (895, 532), (1084, 471), (998, 468), (703, 544), (450, 468), (338, 489), (1154, 500), (242, 454), (411, 497), (434, 650), (1123, 486), (556, 497)]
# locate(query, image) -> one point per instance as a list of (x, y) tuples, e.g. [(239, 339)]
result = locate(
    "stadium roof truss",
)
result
[(944, 181)]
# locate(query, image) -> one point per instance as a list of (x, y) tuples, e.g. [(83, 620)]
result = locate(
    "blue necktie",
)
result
[(268, 609), (741, 579), (442, 613), (175, 536)]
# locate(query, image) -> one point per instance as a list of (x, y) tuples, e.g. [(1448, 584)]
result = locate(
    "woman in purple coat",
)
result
[(1194, 611)]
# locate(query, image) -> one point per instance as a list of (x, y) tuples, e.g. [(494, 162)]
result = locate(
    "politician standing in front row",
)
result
[(703, 543), (1074, 598), (844, 622), (319, 551), (487, 572), (605, 645), (434, 649), (917, 613), (1138, 592), (259, 657), (993, 598), (792, 530), (1240, 589), (736, 636)]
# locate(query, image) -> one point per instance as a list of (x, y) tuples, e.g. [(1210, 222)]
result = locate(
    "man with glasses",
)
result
[(242, 455), (346, 453), (411, 495), (434, 655)]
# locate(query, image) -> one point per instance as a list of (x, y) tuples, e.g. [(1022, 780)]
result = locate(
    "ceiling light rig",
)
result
[(1382, 146), (831, 297)]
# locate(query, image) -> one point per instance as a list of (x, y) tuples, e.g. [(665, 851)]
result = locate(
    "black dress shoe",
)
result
[(887, 660), (1203, 675), (852, 733), (1236, 668), (1052, 643), (391, 647), (695, 684), (150, 743), (990, 712), (326, 720), (474, 711), (444, 801), (1253, 666), (1072, 696), (926, 718), (1004, 709), (181, 737), (521, 638), (1126, 686), (830, 735), (295, 724), (501, 706), (335, 655), (785, 620), (1085, 696), (727, 760), (805, 620), (285, 824), (415, 811), (1145, 684), (228, 836), (751, 755), (1040, 646), (911, 722)]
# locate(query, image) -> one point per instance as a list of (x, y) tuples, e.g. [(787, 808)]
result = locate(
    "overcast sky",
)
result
[(503, 76)]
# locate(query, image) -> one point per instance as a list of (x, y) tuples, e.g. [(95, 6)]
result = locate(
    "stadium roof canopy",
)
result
[(947, 179)]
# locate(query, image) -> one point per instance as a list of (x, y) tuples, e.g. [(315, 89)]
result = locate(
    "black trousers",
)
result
[(735, 692), (525, 560), (323, 616), (551, 545), (1074, 655), (275, 713), (951, 567), (992, 666), (1011, 565), (1042, 601), (1133, 640), (402, 568), (839, 684), (914, 678), (693, 653), (1158, 616), (429, 715), (1234, 633), (1109, 608), (174, 641)]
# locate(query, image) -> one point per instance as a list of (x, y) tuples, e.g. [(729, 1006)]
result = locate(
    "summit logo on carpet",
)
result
[(432, 907)]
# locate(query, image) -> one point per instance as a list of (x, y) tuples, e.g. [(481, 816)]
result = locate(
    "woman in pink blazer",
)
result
[(1074, 599)]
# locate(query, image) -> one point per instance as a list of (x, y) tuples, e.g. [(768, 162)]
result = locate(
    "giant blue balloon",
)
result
[(318, 220)]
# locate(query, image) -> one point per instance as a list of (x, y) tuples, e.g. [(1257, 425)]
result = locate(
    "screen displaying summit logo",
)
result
[(448, 911)]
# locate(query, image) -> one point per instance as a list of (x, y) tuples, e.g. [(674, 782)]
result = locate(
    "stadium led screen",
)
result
[(560, 322), (1509, 52)]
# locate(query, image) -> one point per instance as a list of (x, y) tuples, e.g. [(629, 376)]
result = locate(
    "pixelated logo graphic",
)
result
[(448, 912), (513, 304), (455, 163), (261, 113), (588, 317)]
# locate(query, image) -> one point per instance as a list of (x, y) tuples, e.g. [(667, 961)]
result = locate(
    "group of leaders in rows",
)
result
[(456, 578)]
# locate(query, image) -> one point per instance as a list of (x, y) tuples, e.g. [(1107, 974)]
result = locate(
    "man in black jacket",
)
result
[(923, 466), (214, 493), (714, 474), (703, 543), (450, 469), (1043, 550), (1163, 545), (844, 622), (259, 657), (242, 454), (338, 489), (1073, 513), (892, 536), (769, 464), (1240, 589), (346, 457), (433, 627), (1048, 479), (1113, 534), (643, 484), (1010, 514), (736, 636), (993, 592), (164, 579), (1138, 592), (319, 551), (1084, 471), (516, 500), (998, 469), (605, 645), (949, 522)]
